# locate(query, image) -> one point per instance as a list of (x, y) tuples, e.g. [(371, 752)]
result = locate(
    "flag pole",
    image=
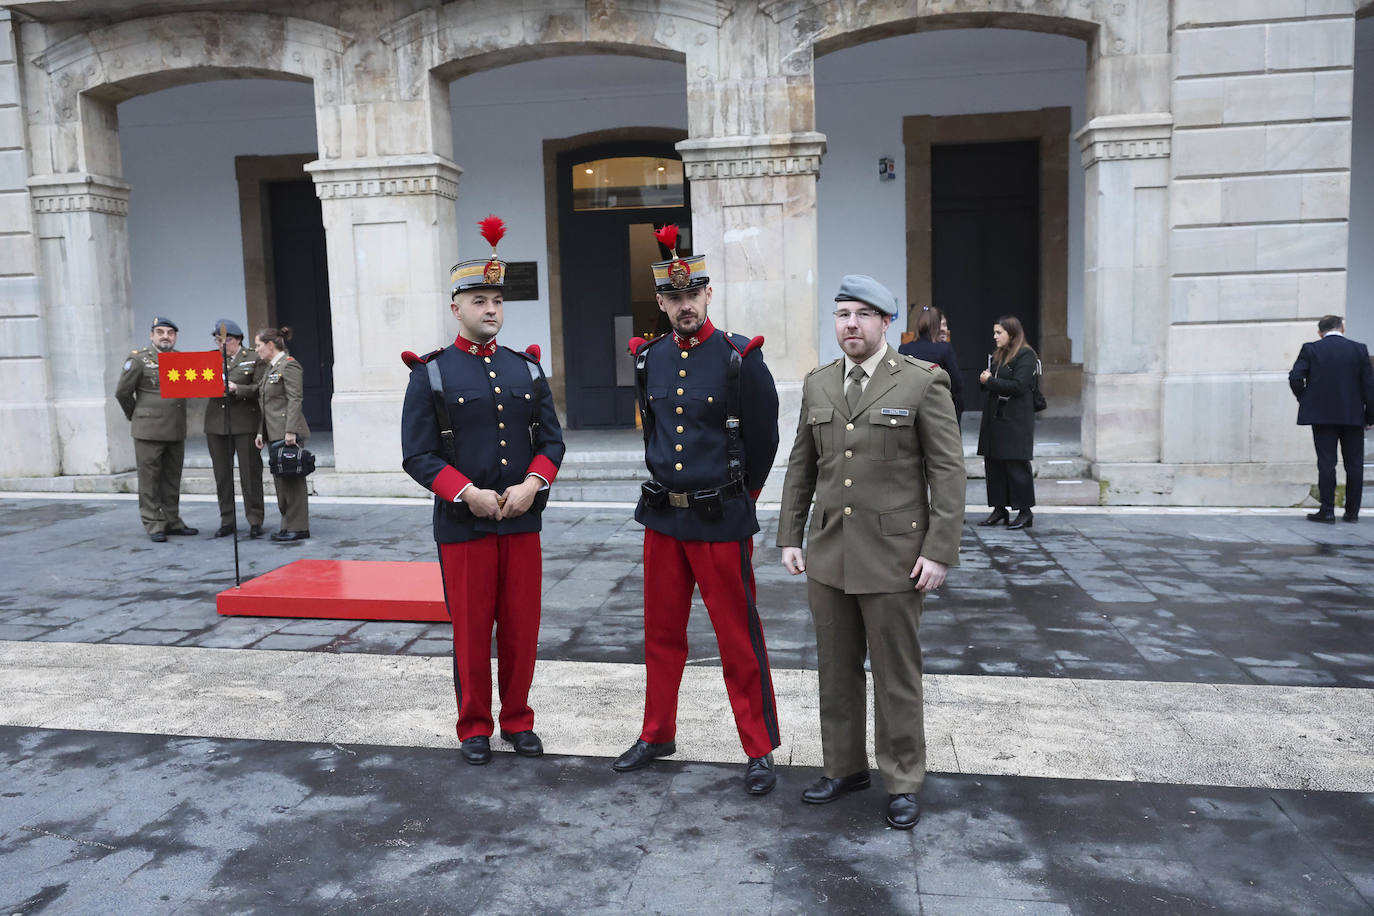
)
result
[(233, 452)]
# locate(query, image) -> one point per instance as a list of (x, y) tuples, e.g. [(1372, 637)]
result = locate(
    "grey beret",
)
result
[(231, 328), (160, 322), (863, 288)]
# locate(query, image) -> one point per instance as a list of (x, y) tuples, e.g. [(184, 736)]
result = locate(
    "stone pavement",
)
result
[(1163, 712)]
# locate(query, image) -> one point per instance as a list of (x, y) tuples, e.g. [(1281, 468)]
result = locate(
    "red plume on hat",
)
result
[(667, 237), (493, 229)]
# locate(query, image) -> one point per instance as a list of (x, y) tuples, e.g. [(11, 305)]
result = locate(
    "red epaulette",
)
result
[(411, 360)]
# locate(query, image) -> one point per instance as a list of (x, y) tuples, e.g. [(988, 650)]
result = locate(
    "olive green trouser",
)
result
[(159, 483), (885, 627), (293, 494), (223, 450)]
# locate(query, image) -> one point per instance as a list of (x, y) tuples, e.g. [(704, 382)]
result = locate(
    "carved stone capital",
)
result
[(391, 176), (1143, 136), (79, 192), (752, 157)]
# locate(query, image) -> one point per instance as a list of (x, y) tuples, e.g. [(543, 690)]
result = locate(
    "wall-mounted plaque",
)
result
[(522, 281)]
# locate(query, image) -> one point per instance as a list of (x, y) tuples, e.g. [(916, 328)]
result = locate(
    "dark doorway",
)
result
[(610, 197), (300, 281), (985, 245)]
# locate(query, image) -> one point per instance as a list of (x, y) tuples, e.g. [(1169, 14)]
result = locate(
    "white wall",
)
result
[(185, 243), (1359, 296), (862, 94)]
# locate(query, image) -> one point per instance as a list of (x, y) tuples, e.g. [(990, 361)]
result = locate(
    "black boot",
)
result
[(1023, 519), (999, 516)]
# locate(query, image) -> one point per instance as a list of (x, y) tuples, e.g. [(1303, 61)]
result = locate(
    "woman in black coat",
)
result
[(929, 347), (1006, 438)]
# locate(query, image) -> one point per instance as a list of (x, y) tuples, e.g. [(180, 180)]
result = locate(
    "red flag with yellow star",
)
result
[(191, 375)]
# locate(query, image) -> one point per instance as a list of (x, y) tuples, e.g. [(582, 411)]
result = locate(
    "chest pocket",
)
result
[(893, 435), (821, 420), (467, 399)]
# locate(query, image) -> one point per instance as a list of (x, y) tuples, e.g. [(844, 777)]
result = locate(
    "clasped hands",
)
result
[(513, 503), (928, 574)]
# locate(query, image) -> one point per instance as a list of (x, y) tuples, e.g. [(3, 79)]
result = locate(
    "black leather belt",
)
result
[(658, 494)]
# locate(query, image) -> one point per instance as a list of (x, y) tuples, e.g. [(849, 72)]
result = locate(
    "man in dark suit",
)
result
[(1334, 384), (879, 453)]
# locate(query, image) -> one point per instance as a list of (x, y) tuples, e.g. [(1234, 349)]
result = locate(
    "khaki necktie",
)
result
[(856, 388)]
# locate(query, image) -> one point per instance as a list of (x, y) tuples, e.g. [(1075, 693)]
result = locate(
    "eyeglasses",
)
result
[(861, 314)]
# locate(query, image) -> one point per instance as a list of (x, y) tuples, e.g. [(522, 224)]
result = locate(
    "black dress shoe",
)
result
[(224, 531), (641, 754), (157, 537), (477, 750), (255, 531), (903, 811), (526, 743), (759, 775), (825, 789), (1023, 519), (999, 516), (184, 531), (1326, 518), (291, 535), (1350, 518)]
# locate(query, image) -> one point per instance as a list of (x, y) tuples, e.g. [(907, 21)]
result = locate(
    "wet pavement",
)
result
[(96, 822)]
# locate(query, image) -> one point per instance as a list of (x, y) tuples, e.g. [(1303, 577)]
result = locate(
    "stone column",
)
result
[(83, 253), (753, 158), (391, 234), (1259, 231), (1125, 260), (26, 418)]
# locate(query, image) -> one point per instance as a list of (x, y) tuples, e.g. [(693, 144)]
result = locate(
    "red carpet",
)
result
[(342, 590)]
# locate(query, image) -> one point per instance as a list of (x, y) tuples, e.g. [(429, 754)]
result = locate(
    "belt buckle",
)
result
[(677, 500)]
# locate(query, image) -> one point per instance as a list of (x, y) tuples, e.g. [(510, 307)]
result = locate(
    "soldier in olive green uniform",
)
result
[(234, 435), (281, 393), (878, 446), (159, 428)]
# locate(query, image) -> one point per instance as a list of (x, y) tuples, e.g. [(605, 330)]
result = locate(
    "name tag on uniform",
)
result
[(895, 412)]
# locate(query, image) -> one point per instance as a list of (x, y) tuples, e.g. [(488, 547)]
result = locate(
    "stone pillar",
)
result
[(391, 234), (83, 254), (26, 418), (753, 158), (1125, 260), (1258, 237)]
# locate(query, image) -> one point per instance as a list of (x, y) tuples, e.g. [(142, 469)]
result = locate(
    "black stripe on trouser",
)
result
[(457, 682), (770, 711)]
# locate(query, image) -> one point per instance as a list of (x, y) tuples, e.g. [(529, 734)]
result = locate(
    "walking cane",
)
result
[(228, 434)]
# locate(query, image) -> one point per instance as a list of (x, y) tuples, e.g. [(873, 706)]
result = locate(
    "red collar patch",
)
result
[(476, 349), (697, 339)]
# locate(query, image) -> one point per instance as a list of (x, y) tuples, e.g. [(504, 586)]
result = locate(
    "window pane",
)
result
[(627, 183)]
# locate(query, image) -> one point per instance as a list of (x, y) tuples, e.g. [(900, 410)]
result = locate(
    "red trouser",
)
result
[(725, 573), (493, 580)]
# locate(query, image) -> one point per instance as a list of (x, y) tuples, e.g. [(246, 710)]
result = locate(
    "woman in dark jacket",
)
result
[(1006, 436), (929, 347)]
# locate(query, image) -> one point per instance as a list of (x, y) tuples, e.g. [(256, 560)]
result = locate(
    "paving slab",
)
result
[(194, 825)]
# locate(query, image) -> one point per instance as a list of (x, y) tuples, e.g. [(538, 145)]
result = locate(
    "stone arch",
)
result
[(84, 76), (461, 38)]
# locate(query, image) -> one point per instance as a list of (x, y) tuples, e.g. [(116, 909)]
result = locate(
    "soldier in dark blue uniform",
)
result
[(710, 414), (478, 429)]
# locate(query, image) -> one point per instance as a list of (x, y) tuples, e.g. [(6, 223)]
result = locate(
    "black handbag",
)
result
[(1038, 399), (289, 460)]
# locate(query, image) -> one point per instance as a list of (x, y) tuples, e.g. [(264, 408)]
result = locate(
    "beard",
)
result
[(165, 345), (689, 326)]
